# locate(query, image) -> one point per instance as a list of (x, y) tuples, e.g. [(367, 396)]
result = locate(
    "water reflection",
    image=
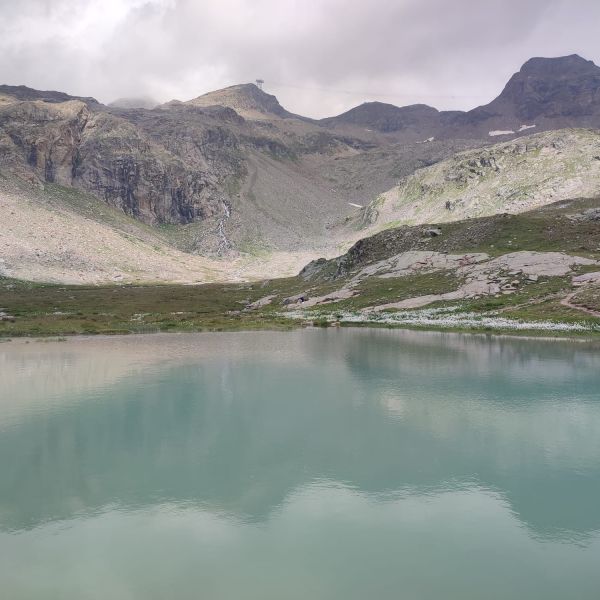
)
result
[(406, 442), (324, 541)]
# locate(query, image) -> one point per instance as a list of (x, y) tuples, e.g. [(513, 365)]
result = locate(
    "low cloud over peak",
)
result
[(319, 58)]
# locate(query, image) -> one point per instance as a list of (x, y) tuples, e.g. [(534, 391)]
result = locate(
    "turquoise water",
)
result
[(321, 464)]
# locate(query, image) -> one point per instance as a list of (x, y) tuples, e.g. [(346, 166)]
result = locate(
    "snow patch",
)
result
[(500, 132)]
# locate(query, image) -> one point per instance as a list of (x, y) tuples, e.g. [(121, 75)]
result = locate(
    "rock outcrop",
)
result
[(510, 177), (156, 179)]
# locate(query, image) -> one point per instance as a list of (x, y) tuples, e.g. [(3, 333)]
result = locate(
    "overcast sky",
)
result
[(320, 57)]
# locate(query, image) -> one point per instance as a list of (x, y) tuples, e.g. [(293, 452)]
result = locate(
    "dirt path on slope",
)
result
[(567, 302)]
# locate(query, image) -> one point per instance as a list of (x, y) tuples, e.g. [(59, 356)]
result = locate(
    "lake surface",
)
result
[(318, 464)]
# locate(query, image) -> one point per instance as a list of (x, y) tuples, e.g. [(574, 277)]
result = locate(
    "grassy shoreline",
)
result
[(583, 337), (33, 310), (30, 309)]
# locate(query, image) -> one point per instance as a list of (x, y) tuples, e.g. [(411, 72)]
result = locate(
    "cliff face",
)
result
[(42, 138), (120, 163), (166, 179)]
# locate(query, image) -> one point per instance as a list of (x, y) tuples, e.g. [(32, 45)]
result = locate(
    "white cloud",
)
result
[(319, 57)]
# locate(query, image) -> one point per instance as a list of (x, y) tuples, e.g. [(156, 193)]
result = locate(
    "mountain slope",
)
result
[(388, 118), (546, 93), (12, 93), (510, 177), (63, 236), (534, 271), (234, 174), (267, 185), (247, 99)]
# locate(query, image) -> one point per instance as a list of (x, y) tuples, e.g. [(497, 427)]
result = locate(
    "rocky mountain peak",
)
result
[(246, 99), (562, 65), (566, 86)]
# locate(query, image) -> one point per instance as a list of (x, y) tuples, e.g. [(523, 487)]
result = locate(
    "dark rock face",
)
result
[(299, 299), (138, 176), (174, 178), (159, 168), (551, 87), (42, 138)]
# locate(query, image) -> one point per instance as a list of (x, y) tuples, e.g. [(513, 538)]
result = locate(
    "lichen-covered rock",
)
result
[(510, 177)]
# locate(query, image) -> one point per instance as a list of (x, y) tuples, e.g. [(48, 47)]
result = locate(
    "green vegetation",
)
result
[(549, 229), (35, 309), (41, 309), (255, 247)]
